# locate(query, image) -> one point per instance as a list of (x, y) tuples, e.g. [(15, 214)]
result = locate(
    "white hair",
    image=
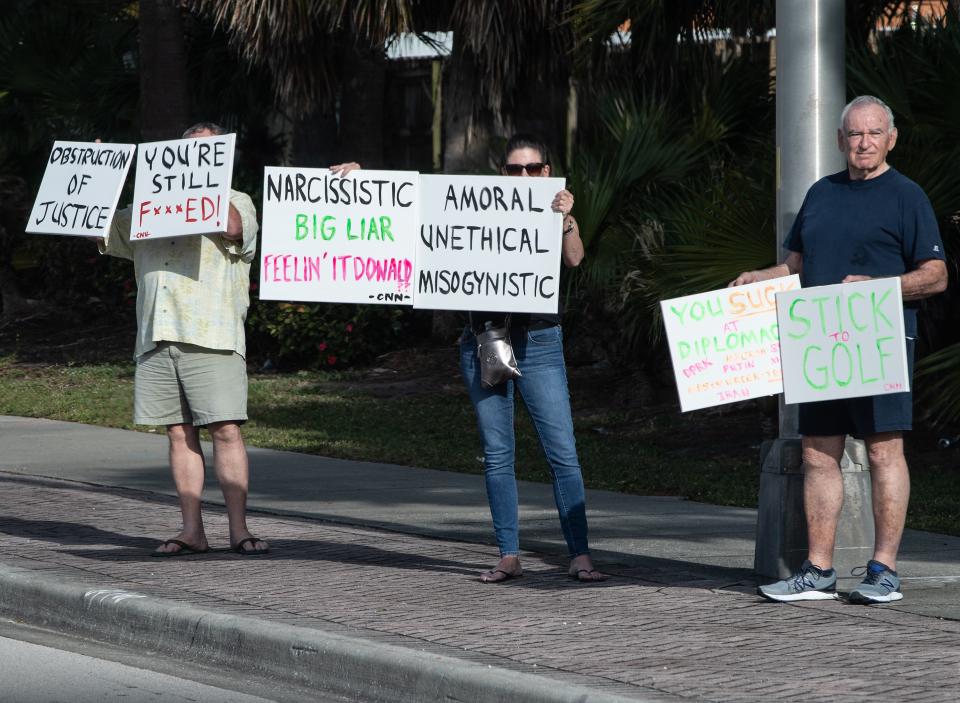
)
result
[(211, 127), (862, 100)]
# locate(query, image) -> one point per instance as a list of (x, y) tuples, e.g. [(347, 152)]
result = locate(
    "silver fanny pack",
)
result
[(497, 362)]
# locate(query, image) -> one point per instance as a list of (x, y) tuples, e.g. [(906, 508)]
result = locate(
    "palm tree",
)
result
[(322, 50), (318, 52), (164, 101)]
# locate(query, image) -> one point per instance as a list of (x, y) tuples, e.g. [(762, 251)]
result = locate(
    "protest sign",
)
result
[(843, 341), (488, 243), (337, 239), (182, 187), (80, 188), (724, 344)]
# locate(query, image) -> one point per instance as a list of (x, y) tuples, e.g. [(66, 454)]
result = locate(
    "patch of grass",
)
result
[(706, 457), (98, 394)]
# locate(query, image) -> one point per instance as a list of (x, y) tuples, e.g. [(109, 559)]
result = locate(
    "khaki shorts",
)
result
[(180, 383)]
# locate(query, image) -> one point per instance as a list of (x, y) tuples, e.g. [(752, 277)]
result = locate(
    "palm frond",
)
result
[(712, 232)]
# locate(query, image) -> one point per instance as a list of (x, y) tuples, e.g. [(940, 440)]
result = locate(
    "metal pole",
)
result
[(811, 93), (810, 75)]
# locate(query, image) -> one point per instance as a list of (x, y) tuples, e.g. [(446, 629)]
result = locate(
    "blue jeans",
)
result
[(543, 388)]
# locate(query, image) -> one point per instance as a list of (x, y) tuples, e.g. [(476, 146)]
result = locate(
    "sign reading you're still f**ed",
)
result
[(182, 187), (334, 239), (843, 341), (488, 243), (80, 188), (725, 344)]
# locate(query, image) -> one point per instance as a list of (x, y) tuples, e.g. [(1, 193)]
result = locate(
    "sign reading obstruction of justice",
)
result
[(80, 188), (488, 243), (182, 187), (843, 341), (334, 239), (724, 344)]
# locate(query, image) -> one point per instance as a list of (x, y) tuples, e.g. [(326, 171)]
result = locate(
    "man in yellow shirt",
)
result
[(192, 300)]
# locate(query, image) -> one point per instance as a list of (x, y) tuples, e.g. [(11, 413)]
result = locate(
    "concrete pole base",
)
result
[(781, 522)]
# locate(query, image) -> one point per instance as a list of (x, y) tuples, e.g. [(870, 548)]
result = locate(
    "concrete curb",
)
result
[(306, 657)]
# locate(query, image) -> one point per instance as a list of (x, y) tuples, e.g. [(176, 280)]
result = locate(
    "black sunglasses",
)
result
[(534, 169)]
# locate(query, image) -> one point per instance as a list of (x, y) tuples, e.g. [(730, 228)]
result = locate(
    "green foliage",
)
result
[(674, 193), (706, 239), (329, 336), (66, 72), (917, 71), (70, 71)]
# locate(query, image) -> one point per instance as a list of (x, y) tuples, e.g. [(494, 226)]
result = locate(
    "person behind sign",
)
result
[(868, 221), (538, 346), (192, 299)]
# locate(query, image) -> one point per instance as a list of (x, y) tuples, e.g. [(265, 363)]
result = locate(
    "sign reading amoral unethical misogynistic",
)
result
[(843, 341), (488, 243)]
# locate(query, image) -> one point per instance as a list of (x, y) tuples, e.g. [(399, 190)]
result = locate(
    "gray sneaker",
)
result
[(809, 583), (880, 585)]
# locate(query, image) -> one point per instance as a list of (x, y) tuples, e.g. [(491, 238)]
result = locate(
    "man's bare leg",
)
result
[(822, 495), (232, 469), (186, 464), (890, 480)]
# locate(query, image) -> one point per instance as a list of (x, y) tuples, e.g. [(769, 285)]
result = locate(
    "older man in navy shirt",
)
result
[(868, 221)]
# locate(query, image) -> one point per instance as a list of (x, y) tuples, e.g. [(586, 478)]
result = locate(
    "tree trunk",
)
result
[(361, 107), (467, 125), (164, 103), (314, 140)]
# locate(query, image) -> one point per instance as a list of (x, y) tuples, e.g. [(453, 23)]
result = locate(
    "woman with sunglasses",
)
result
[(538, 346)]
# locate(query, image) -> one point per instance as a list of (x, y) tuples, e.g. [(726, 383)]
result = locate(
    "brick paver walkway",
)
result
[(660, 637)]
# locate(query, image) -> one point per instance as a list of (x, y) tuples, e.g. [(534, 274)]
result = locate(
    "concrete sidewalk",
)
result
[(371, 585)]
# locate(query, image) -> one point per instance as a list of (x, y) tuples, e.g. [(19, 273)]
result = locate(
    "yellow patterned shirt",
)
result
[(193, 289)]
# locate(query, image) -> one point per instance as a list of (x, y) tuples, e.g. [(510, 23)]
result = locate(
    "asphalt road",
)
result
[(40, 666)]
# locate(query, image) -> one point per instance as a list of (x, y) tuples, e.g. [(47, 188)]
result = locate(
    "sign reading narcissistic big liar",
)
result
[(80, 188), (334, 239), (843, 341), (724, 344), (488, 243), (182, 187)]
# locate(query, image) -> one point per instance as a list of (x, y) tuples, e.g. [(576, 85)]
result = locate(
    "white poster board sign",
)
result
[(182, 187), (337, 239), (843, 341), (80, 188), (488, 243), (724, 344)]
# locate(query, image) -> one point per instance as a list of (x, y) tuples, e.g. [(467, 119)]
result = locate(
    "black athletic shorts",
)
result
[(860, 417)]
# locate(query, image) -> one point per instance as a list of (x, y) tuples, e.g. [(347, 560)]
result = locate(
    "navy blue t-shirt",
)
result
[(883, 226)]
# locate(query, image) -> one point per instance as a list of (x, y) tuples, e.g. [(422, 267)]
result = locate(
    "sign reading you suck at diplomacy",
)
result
[(182, 187), (488, 243), (328, 238), (843, 341), (80, 188), (724, 344)]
